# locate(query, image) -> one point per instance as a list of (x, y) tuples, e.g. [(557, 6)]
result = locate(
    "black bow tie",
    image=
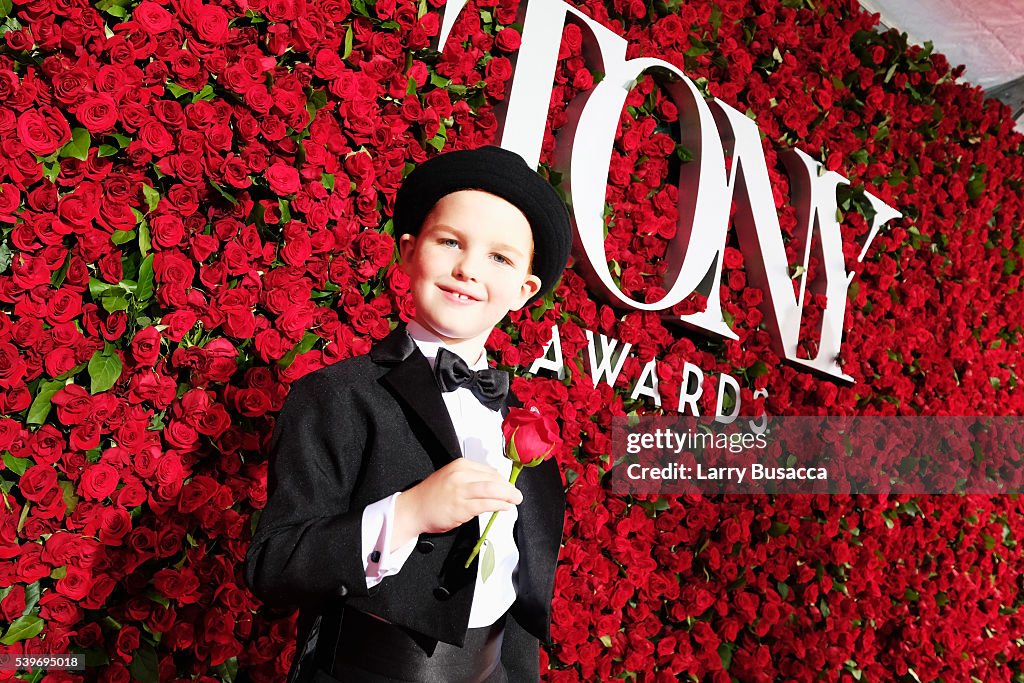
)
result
[(490, 385)]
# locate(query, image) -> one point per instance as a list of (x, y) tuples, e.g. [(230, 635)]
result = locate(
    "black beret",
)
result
[(501, 173)]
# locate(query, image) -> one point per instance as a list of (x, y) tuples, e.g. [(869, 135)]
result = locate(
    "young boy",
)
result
[(384, 468)]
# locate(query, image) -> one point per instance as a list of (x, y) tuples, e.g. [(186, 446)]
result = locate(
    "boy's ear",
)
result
[(406, 245), (530, 287)]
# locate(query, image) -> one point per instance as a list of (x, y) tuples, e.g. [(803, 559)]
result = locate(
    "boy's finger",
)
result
[(467, 465), (501, 490), (484, 505)]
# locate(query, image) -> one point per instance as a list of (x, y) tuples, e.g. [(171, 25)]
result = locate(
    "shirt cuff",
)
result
[(378, 561)]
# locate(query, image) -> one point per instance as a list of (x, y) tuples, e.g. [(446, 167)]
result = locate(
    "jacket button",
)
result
[(442, 593), (343, 590), (425, 546)]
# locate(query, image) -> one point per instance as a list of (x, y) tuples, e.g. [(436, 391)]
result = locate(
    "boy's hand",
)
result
[(451, 496)]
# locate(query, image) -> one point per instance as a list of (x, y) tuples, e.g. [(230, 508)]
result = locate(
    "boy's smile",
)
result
[(469, 265)]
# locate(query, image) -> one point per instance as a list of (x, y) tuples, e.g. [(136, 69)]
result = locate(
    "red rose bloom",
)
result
[(116, 523), (98, 481), (533, 433), (37, 482), (146, 346), (283, 179), (44, 130), (98, 113), (508, 39), (211, 24), (76, 583), (153, 18)]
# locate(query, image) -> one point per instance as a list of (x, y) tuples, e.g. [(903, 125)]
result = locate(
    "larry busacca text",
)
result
[(699, 472)]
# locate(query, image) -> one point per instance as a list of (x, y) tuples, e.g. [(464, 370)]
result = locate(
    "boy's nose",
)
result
[(466, 268)]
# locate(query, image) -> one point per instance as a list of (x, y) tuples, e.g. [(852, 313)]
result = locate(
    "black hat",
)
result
[(506, 175)]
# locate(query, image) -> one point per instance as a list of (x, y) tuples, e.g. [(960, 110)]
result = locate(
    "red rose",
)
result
[(531, 435), (376, 250), (283, 179), (12, 367), (172, 268), (181, 585), (508, 39), (114, 326), (499, 70), (8, 84), (44, 130), (46, 445), (169, 470), (167, 230), (76, 583), (146, 346), (58, 609), (37, 482), (98, 481), (19, 40), (10, 200), (178, 324), (196, 494), (9, 431), (127, 642), (153, 18), (131, 494), (74, 404), (13, 605), (211, 24), (81, 207), (251, 402), (69, 87), (98, 113), (116, 523), (154, 138), (327, 64)]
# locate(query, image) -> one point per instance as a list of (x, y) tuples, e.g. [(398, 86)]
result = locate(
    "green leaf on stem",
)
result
[(176, 89), (145, 243), (23, 628), (144, 290), (40, 407), (348, 43), (487, 561), (152, 197), (15, 464), (145, 667), (78, 146), (104, 369), (224, 194), (122, 236)]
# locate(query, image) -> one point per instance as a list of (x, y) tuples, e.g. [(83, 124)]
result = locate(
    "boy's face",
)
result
[(469, 264)]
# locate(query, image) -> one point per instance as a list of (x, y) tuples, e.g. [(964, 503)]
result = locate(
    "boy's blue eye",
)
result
[(501, 259), (448, 241)]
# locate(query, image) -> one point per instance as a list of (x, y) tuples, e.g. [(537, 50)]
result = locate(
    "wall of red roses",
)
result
[(194, 201)]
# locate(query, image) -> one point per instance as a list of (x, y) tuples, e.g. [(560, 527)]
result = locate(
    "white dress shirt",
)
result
[(479, 432)]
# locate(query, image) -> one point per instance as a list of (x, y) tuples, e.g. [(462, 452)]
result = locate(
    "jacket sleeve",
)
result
[(307, 545)]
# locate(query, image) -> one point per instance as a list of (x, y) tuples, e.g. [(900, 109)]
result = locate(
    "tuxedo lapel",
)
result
[(411, 381)]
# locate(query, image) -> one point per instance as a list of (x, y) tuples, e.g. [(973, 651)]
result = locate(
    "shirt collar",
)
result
[(429, 343)]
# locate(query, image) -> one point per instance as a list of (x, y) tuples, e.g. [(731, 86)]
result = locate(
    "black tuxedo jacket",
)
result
[(355, 432)]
